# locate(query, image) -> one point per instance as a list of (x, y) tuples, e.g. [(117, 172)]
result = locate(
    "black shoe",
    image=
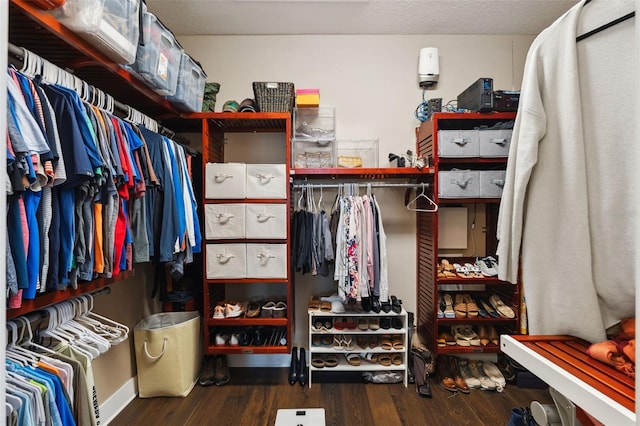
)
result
[(396, 305), (386, 307), (396, 322), (207, 371), (222, 376), (302, 367), (260, 336), (385, 323), (366, 304), (293, 369), (375, 304)]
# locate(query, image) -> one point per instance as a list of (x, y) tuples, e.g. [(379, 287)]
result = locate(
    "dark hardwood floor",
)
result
[(254, 396)]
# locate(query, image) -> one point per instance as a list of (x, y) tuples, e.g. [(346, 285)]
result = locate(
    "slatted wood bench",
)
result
[(562, 362)]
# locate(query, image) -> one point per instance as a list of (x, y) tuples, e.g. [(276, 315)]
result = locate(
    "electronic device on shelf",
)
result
[(478, 97), (506, 100)]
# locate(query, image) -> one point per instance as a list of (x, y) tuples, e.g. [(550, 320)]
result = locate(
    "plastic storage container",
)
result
[(158, 59), (357, 153), (314, 124), (313, 154), (190, 86), (110, 25)]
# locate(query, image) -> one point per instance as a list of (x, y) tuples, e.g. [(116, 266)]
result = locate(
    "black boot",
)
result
[(293, 370), (302, 368)]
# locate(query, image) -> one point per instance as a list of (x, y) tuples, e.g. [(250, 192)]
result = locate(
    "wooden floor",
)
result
[(254, 395)]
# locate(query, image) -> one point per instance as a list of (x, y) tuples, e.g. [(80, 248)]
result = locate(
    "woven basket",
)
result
[(274, 97)]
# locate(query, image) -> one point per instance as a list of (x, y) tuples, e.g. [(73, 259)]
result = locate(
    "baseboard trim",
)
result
[(259, 360), (118, 401)]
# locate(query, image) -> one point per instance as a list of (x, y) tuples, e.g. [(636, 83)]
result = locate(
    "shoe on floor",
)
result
[(207, 371), (221, 376)]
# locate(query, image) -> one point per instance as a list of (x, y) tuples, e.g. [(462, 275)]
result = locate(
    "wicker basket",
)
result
[(274, 97)]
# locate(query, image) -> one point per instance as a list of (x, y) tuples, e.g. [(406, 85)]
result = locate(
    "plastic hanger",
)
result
[(422, 194)]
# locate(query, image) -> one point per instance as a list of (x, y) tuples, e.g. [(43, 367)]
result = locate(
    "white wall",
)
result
[(372, 82)]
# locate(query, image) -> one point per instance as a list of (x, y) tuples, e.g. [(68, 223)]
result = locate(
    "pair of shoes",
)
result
[(488, 335), (248, 105), (454, 369), (221, 376), (230, 106), (298, 367), (274, 310), (503, 310), (488, 266), (445, 377), (207, 371), (396, 305), (464, 335), (448, 306), (228, 310)]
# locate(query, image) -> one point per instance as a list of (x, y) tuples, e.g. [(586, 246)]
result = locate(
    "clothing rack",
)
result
[(363, 185), (605, 26), (121, 110)]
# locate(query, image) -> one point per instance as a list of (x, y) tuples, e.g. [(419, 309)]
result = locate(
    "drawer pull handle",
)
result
[(224, 257), (499, 141), (460, 141), (221, 177), (264, 177), (498, 182), (264, 217), (264, 258), (462, 184), (224, 217)]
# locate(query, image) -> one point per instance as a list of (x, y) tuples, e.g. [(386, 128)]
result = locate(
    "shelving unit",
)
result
[(364, 366), (213, 127), (429, 285)]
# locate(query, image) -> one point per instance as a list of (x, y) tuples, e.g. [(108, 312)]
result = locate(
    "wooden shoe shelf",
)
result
[(458, 132), (365, 366)]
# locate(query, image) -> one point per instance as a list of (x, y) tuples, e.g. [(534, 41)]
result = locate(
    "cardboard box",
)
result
[(307, 98)]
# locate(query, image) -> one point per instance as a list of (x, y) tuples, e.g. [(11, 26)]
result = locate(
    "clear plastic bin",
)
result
[(110, 25), (357, 153), (159, 55), (190, 86)]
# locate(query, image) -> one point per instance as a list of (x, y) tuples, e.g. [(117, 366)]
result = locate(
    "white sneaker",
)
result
[(233, 340), (493, 372), (221, 339), (478, 372), (471, 381), (488, 266), (218, 312), (233, 310)]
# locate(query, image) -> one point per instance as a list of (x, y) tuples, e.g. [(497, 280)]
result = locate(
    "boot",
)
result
[(293, 370), (410, 373), (302, 368)]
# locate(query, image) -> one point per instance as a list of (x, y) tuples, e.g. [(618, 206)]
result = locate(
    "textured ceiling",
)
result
[(418, 17)]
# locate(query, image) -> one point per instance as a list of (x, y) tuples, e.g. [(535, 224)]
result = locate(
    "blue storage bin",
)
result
[(190, 87)]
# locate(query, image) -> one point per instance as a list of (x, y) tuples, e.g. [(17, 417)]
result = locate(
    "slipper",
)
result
[(331, 360), (448, 306), (363, 323), (498, 305), (474, 270), (396, 359), (339, 323), (325, 306), (462, 271), (397, 343), (314, 304), (317, 361), (386, 343), (384, 359), (374, 324), (472, 308), (442, 341), (316, 340), (460, 307), (326, 340), (353, 359), (446, 266)]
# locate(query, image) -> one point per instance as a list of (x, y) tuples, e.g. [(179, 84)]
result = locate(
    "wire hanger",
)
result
[(422, 194)]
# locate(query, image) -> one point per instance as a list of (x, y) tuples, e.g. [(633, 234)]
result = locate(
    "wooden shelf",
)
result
[(47, 299), (231, 122), (458, 350), (224, 322), (246, 280), (361, 173), (236, 350)]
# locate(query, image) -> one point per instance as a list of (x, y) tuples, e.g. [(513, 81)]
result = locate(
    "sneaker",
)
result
[(488, 266), (221, 376), (233, 310), (248, 105), (477, 371), (471, 381), (207, 371), (234, 340), (493, 372), (218, 312), (230, 106), (221, 339)]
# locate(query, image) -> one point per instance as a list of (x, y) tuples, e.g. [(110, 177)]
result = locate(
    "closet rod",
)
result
[(363, 185), (120, 109)]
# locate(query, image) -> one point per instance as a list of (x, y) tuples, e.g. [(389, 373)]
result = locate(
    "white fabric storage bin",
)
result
[(226, 261), (491, 183), (266, 221), (267, 181), (168, 353), (224, 221), (458, 143), (225, 180), (494, 143), (459, 184), (266, 260)]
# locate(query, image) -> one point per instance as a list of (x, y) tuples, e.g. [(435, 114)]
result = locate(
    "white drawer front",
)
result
[(458, 143), (266, 220), (224, 221), (225, 180), (494, 143), (491, 183), (458, 184), (267, 181), (226, 261), (266, 260)]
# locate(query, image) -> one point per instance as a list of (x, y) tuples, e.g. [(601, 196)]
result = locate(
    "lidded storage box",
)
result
[(313, 145), (190, 86), (159, 55), (110, 25), (458, 143)]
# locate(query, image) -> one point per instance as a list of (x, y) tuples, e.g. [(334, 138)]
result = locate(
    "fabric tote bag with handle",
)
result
[(168, 353)]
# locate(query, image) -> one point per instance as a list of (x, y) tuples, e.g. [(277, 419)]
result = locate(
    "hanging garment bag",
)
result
[(168, 353)]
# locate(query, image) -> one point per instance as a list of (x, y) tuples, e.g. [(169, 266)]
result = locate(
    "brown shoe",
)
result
[(444, 376), (484, 335), (493, 337), (457, 377)]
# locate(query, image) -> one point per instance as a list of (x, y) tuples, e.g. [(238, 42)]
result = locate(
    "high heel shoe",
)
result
[(293, 369), (493, 336), (484, 336)]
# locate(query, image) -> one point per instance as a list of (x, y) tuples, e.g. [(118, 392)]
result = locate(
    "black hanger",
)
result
[(605, 26)]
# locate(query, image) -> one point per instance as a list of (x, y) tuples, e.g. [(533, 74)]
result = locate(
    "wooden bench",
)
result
[(562, 362)]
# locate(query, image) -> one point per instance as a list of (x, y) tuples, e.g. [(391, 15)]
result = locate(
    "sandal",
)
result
[(397, 343), (396, 359), (347, 343), (369, 357), (384, 359), (330, 361), (374, 324), (487, 307), (504, 310), (363, 323), (386, 343), (460, 307), (472, 308), (337, 342), (474, 270), (448, 306), (325, 306), (353, 359), (462, 271), (317, 361), (314, 304), (362, 342), (373, 342), (446, 266)]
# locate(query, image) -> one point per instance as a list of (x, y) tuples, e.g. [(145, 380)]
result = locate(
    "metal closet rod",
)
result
[(363, 185)]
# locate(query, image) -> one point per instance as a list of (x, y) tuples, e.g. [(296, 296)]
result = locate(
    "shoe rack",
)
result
[(334, 338), (454, 128)]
